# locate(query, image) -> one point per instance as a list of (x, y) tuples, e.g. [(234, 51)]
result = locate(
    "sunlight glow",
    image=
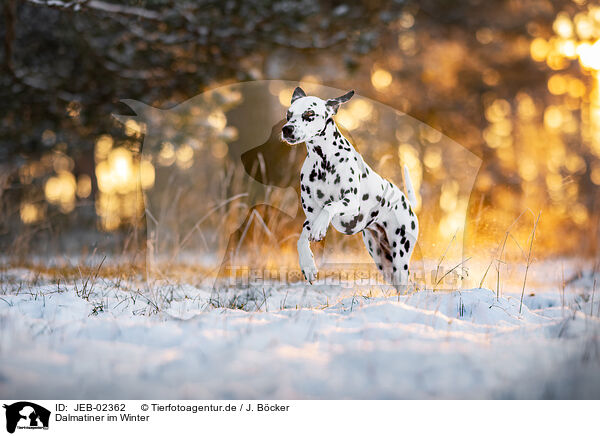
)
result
[(84, 186), (31, 212), (381, 79), (60, 190), (120, 178), (589, 55)]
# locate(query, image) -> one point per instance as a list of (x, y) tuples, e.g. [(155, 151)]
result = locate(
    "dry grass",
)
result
[(532, 238)]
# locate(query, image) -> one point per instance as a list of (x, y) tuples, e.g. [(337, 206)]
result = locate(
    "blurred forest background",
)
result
[(517, 82)]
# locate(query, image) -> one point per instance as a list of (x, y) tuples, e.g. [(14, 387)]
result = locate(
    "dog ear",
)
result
[(298, 93), (333, 104)]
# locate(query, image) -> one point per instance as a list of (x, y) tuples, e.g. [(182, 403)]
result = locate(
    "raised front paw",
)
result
[(318, 228)]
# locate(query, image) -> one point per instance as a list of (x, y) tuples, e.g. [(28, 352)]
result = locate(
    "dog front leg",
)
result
[(347, 206), (305, 255)]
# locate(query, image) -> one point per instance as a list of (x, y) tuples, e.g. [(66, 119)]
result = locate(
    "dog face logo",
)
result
[(26, 415), (307, 116)]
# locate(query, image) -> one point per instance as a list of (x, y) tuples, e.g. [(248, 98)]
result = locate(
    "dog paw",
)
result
[(319, 226), (308, 267), (310, 273)]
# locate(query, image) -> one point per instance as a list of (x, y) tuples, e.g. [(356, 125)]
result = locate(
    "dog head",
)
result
[(308, 115)]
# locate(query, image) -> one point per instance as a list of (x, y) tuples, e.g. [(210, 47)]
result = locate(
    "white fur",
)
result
[(339, 188)]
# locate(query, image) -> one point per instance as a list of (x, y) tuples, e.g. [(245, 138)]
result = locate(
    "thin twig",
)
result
[(443, 256), (592, 302), (456, 266), (529, 259), (498, 248)]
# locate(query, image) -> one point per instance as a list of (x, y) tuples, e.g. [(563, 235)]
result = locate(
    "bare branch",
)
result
[(123, 10), (98, 5)]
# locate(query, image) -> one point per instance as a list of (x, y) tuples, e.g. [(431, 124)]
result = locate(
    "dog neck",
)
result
[(322, 144)]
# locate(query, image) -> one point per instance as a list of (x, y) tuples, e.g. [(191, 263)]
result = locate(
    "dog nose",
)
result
[(287, 130)]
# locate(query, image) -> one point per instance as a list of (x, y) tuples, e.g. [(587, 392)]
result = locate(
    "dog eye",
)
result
[(288, 116), (306, 116)]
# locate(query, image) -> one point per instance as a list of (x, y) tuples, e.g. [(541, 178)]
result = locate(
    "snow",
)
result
[(128, 340)]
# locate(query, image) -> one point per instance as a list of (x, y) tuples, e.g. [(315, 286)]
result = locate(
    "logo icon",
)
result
[(26, 415)]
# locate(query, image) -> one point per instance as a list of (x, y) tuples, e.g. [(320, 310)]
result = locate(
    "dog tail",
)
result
[(410, 192)]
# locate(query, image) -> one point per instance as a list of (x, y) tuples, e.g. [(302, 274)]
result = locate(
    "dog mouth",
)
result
[(291, 140)]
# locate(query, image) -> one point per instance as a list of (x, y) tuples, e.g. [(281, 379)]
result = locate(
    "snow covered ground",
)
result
[(112, 339)]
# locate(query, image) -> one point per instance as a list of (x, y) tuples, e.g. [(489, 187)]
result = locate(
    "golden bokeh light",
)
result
[(147, 174), (407, 20), (526, 106), (346, 119), (48, 137), (121, 170), (589, 55), (133, 128), (449, 196), (567, 48), (539, 49), (219, 149), (381, 79), (217, 120), (450, 224), (557, 84), (121, 175), (595, 173), (432, 158), (528, 169), (185, 156), (584, 25), (576, 88), (62, 162), (553, 117), (498, 110), (484, 35), (361, 109), (103, 146), (285, 96), (84, 186), (310, 83), (579, 214), (563, 26), (60, 190), (166, 155), (31, 212)]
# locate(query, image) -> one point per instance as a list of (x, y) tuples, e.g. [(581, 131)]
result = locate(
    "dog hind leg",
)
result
[(371, 240), (403, 230), (402, 245), (377, 243)]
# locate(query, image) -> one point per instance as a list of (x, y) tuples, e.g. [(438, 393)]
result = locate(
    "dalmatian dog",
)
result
[(339, 188), (28, 417)]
